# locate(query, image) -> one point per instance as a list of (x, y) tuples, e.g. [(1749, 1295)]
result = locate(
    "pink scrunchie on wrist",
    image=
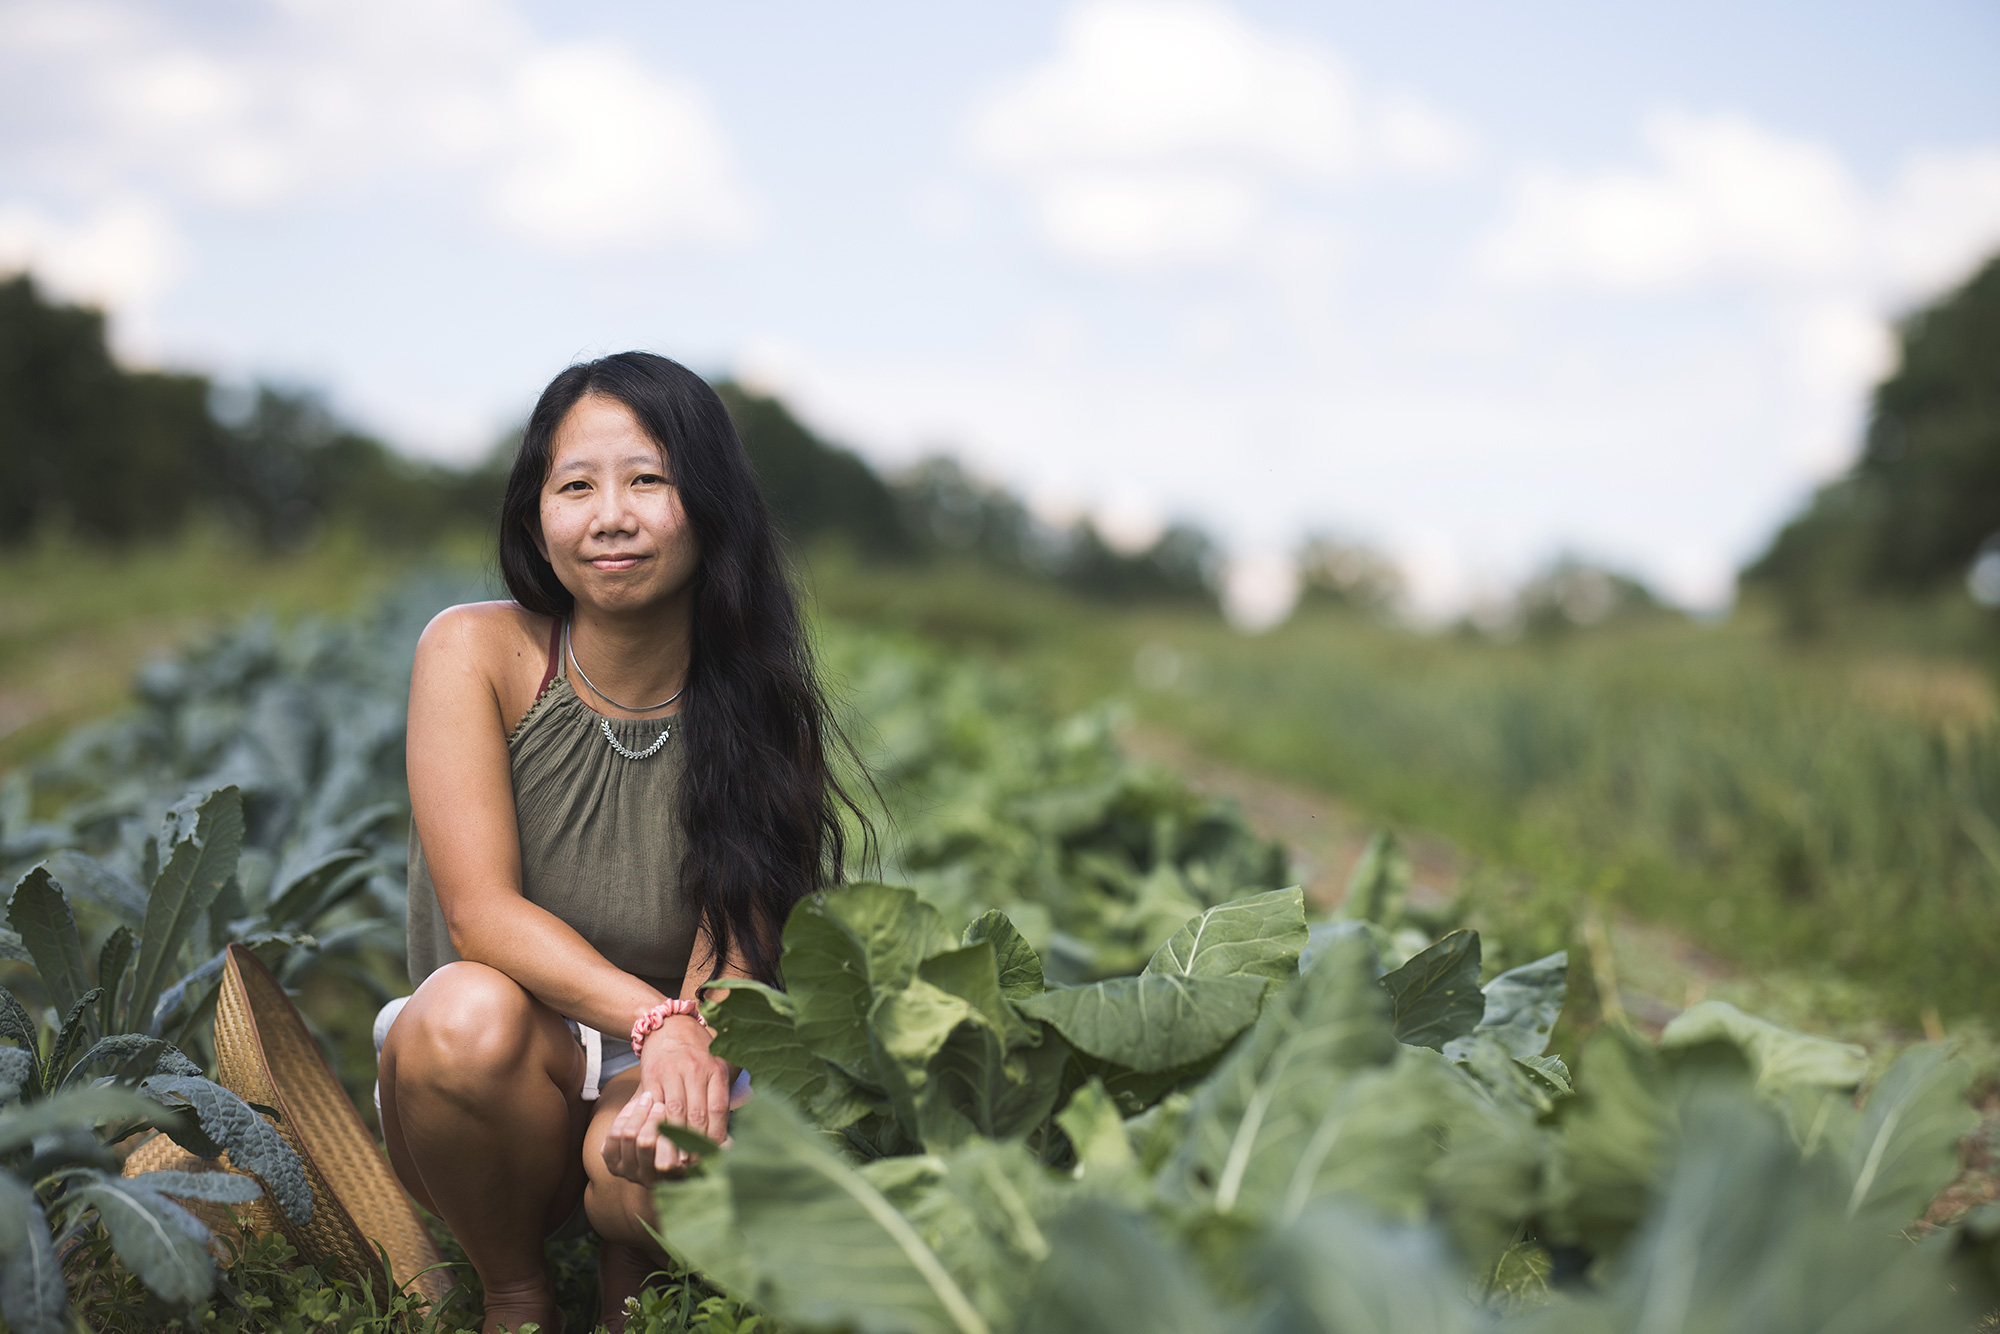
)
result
[(654, 1018)]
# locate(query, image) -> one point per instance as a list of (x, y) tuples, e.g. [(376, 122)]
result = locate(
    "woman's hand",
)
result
[(680, 1083)]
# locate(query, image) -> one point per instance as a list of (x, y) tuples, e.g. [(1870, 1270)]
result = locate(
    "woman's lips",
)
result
[(615, 562)]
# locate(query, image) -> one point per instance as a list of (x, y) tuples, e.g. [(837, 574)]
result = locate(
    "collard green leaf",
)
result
[(1744, 1238), (1522, 1006), (1019, 966), (1259, 936), (828, 1247), (840, 949), (1108, 1272), (754, 1029), (165, 1245), (86, 878), (113, 961), (206, 836), (1154, 1022), (908, 1026), (1097, 1132), (33, 1295), (253, 1145), (1906, 1147), (40, 914), (1310, 1099), (1379, 884), (1435, 997), (972, 974), (975, 1085), (1783, 1059), (696, 1224), (1340, 1268)]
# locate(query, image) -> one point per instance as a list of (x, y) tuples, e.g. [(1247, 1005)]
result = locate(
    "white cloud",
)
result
[(1161, 132), (608, 153), (1722, 197), (572, 145), (122, 253), (1725, 199)]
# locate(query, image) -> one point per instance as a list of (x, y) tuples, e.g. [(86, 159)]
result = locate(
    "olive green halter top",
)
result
[(600, 842)]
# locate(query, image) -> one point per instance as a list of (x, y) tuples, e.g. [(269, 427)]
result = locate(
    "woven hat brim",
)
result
[(264, 1053)]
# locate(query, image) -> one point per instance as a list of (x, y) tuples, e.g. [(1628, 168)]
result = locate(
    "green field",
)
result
[(1083, 1061)]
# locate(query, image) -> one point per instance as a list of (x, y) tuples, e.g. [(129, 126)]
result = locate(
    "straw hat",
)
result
[(264, 1054)]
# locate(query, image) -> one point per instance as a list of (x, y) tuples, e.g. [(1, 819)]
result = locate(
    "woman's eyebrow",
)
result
[(653, 461)]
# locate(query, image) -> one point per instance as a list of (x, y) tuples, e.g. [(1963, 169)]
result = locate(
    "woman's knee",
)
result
[(468, 1028)]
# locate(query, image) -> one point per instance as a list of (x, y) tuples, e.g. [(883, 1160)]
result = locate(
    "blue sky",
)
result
[(1474, 283)]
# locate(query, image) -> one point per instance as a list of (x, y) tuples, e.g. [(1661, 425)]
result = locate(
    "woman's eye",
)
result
[(578, 485), (651, 477)]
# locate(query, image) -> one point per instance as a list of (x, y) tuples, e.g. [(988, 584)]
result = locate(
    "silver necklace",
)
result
[(604, 724)]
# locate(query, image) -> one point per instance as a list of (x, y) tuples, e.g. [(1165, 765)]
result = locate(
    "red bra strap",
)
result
[(555, 656)]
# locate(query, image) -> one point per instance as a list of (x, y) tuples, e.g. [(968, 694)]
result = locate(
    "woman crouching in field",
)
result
[(620, 787)]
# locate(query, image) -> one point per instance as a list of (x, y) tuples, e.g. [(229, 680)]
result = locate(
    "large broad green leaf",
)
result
[(844, 947), (972, 974), (206, 836), (1906, 1147), (1154, 1022), (1521, 1008), (1019, 966), (828, 1248), (697, 1226), (1108, 1272), (1783, 1059), (754, 1028), (976, 1085), (1260, 936), (1097, 1133), (318, 887), (165, 1245), (986, 1214), (1313, 1099), (33, 1297), (138, 1056), (1435, 997), (254, 1145), (40, 913), (1338, 1268), (1745, 1238), (89, 879)]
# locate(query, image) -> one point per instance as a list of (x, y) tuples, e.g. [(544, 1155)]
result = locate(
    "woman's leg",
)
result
[(618, 1211), (483, 1115)]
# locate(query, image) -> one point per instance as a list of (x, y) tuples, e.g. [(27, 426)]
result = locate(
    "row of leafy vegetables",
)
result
[(1083, 1063)]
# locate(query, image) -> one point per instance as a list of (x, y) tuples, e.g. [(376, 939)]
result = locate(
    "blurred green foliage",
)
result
[(1924, 498)]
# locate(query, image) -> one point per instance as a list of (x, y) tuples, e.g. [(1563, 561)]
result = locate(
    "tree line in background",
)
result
[(116, 455), (107, 454)]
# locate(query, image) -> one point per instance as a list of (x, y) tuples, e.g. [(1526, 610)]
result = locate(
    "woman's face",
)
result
[(612, 523)]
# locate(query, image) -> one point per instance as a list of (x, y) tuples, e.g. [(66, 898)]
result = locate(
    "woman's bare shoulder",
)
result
[(496, 640)]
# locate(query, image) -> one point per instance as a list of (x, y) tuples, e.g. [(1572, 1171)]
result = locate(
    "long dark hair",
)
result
[(760, 806)]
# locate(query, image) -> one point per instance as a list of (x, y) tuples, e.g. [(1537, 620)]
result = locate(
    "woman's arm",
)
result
[(474, 676), (679, 1081)]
